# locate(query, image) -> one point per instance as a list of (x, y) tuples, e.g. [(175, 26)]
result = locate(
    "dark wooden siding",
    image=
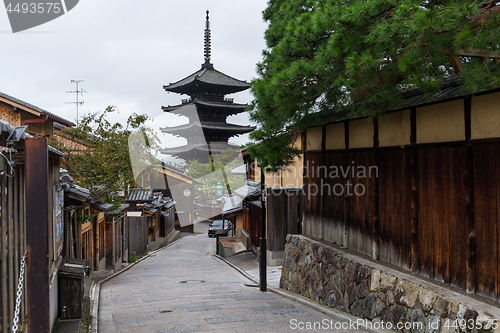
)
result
[(13, 244), (486, 217), (443, 242), (137, 232), (281, 201), (395, 213)]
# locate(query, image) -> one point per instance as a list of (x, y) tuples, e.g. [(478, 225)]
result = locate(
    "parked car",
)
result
[(217, 225)]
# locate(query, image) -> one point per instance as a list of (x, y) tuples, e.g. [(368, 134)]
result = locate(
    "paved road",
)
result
[(185, 289)]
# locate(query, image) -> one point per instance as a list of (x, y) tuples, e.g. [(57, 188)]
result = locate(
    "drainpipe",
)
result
[(42, 119)]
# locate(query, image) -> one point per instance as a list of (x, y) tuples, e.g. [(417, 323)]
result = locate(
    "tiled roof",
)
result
[(207, 77), (217, 126), (450, 89), (241, 170), (215, 147), (226, 108), (36, 108), (249, 189), (140, 194)]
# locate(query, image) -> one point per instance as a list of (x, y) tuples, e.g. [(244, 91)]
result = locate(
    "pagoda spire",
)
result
[(207, 44)]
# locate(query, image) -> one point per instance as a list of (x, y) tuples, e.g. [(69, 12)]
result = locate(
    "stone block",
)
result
[(375, 280), (387, 281), (363, 289), (369, 310), (357, 308), (433, 324), (417, 316), (401, 313), (454, 306), (350, 272), (484, 320), (335, 299), (446, 326), (461, 311), (390, 297), (363, 273), (407, 293), (427, 299), (350, 295), (379, 306), (441, 306)]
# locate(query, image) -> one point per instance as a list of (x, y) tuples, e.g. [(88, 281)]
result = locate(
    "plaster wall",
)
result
[(335, 136), (442, 122), (314, 137), (394, 129), (485, 116), (361, 133)]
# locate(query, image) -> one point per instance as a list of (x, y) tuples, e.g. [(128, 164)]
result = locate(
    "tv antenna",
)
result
[(77, 92)]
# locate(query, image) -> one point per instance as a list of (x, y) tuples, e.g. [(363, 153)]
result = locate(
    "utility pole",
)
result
[(77, 91)]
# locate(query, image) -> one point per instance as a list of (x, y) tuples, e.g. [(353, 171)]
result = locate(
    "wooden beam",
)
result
[(37, 238), (5, 309), (414, 192), (376, 197), (346, 197), (20, 106), (469, 203)]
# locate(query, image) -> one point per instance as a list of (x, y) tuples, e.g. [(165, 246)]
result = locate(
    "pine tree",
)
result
[(327, 54)]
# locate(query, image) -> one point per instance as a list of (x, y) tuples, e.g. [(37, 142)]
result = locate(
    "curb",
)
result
[(96, 287), (303, 300)]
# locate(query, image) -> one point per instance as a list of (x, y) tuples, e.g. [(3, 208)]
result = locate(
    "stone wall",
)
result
[(366, 289)]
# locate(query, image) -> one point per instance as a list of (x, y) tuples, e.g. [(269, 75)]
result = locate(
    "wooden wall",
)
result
[(13, 244), (432, 208), (138, 233)]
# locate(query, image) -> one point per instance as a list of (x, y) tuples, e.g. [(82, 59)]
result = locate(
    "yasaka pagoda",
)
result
[(207, 109)]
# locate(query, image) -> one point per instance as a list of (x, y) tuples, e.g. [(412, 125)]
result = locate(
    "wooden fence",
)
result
[(283, 210), (137, 235), (438, 216), (13, 244)]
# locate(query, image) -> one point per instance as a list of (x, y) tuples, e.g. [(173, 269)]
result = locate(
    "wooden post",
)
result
[(414, 192), (5, 309), (376, 198), (10, 242), (347, 211), (469, 203), (37, 238)]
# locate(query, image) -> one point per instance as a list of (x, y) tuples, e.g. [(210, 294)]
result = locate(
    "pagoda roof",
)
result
[(210, 126), (207, 79), (226, 107), (200, 151)]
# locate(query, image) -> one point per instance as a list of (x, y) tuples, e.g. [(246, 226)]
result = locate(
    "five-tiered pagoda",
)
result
[(207, 109)]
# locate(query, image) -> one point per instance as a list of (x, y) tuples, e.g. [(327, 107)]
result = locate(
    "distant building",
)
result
[(207, 109)]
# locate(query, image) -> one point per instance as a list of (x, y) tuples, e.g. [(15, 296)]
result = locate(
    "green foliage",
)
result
[(83, 217), (133, 257), (326, 54), (105, 166)]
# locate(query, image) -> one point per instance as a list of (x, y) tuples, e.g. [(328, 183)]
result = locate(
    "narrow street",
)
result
[(183, 288)]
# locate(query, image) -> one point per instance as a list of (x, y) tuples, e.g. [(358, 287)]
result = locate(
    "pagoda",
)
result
[(207, 109)]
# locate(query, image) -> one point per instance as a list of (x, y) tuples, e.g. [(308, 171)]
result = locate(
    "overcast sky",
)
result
[(125, 51)]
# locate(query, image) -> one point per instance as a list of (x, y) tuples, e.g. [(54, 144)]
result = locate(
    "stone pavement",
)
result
[(184, 288)]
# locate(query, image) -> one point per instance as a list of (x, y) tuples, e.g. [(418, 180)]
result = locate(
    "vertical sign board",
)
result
[(58, 220)]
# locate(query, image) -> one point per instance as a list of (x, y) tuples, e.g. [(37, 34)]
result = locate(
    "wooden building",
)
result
[(207, 109), (173, 183), (40, 122), (416, 186)]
